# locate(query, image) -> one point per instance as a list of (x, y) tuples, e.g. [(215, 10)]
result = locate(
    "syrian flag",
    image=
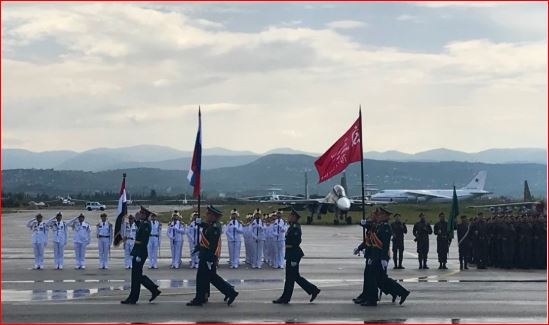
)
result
[(122, 211), (194, 171), (344, 151)]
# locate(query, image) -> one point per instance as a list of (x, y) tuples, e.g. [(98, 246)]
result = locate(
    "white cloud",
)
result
[(345, 24), (411, 18), (304, 83)]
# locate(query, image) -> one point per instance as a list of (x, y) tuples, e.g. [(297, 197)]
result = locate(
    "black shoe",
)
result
[(358, 301), (403, 297), (155, 294), (445, 267), (369, 303), (421, 267), (232, 298), (425, 267), (394, 298), (401, 267), (280, 301), (194, 303), (313, 296), (127, 302), (465, 267)]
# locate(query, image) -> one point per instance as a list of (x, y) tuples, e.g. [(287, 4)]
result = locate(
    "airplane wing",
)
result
[(370, 202), (502, 205)]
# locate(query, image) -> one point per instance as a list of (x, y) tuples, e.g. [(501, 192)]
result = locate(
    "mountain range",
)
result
[(162, 157), (287, 172)]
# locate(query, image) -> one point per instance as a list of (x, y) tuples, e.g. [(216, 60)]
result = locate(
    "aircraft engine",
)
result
[(344, 204)]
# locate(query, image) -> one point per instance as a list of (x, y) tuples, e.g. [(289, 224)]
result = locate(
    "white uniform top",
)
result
[(258, 230), (191, 230), (39, 231), (81, 231), (268, 231), (233, 230), (104, 229), (59, 229), (279, 229), (156, 228), (175, 231), (129, 231)]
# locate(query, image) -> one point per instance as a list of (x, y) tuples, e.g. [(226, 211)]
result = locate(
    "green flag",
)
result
[(453, 215)]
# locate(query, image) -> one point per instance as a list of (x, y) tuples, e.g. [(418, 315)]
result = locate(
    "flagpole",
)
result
[(362, 172)]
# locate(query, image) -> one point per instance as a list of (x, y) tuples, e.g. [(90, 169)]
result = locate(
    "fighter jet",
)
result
[(335, 201), (528, 204)]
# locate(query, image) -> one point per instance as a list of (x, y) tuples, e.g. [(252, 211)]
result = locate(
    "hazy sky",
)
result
[(465, 76)]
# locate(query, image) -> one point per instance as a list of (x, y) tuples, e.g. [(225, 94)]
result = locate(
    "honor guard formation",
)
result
[(500, 241)]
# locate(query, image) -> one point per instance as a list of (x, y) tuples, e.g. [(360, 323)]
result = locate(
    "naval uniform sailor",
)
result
[(258, 240), (175, 232), (59, 239), (153, 248), (233, 230), (129, 230), (39, 239), (104, 240), (81, 239), (279, 235), (193, 234)]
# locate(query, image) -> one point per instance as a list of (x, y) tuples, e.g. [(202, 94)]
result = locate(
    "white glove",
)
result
[(198, 220), (293, 264), (363, 222), (384, 264), (138, 259), (209, 264)]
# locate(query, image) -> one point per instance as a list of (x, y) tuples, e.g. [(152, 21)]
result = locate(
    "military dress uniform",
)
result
[(104, 239), (139, 256), (192, 237), (293, 255), (59, 240), (129, 231), (154, 243), (399, 229), (464, 244), (233, 231), (279, 228), (258, 240), (421, 231), (39, 241), (209, 249), (176, 232), (441, 231), (81, 240)]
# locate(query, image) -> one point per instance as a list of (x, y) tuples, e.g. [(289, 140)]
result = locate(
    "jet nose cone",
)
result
[(344, 204)]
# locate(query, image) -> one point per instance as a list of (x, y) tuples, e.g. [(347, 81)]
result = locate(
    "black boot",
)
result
[(460, 264), (425, 264), (420, 264), (439, 266)]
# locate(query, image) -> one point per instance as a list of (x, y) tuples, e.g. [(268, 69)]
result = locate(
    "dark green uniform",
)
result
[(139, 251), (441, 230), (208, 252), (421, 231), (399, 229), (293, 257)]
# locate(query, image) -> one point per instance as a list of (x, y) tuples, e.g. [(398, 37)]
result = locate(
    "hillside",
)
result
[(287, 171)]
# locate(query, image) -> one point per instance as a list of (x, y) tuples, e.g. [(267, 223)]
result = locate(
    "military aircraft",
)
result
[(475, 188), (528, 204), (271, 196), (335, 201)]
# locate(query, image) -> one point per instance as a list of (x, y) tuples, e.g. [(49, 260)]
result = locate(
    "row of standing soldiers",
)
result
[(503, 241)]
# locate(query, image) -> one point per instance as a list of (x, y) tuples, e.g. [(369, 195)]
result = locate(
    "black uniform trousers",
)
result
[(292, 277), (442, 250), (138, 279), (205, 276), (398, 252)]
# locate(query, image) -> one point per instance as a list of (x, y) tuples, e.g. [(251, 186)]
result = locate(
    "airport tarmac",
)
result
[(93, 295)]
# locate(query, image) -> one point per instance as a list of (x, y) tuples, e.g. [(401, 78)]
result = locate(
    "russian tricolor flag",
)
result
[(194, 171)]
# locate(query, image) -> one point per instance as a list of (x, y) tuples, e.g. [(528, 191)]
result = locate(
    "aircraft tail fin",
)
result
[(527, 194), (477, 183)]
